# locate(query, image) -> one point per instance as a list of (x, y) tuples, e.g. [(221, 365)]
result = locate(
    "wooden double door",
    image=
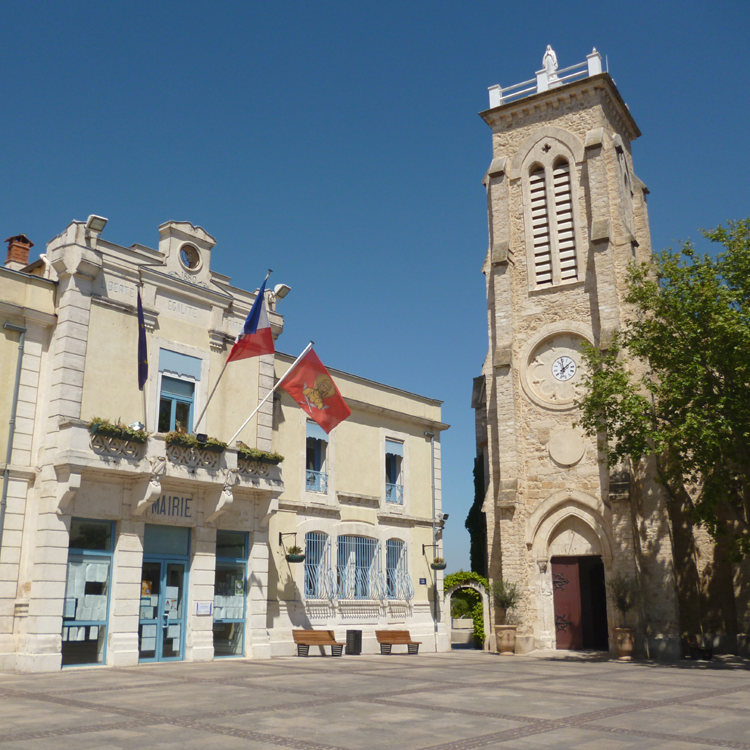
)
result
[(580, 601)]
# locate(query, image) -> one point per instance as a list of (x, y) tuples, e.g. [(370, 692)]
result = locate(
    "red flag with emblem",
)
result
[(313, 389)]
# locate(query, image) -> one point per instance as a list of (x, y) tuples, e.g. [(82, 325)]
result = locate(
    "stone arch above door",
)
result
[(482, 591), (574, 518)]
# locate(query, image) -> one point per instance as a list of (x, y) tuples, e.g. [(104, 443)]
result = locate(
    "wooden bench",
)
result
[(698, 649), (390, 638), (306, 638)]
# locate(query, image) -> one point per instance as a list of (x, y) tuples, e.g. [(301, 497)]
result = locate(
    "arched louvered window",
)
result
[(552, 223), (566, 241), (540, 227)]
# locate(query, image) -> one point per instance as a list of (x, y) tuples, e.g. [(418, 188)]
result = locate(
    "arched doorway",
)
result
[(482, 591), (570, 538)]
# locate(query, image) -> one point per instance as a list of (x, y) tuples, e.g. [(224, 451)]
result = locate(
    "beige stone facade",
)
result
[(115, 552), (566, 216)]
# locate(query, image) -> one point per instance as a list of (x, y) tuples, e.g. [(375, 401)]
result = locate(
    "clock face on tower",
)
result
[(552, 376), (563, 368)]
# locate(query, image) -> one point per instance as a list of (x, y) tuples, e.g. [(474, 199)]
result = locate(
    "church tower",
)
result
[(566, 216)]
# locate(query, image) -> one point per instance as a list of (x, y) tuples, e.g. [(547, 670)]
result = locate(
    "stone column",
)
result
[(76, 265)]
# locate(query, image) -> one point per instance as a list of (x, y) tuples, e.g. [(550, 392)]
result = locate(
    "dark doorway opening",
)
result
[(580, 600)]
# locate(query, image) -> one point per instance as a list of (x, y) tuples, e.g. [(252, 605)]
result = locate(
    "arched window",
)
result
[(554, 248), (319, 581), (357, 567), (398, 582)]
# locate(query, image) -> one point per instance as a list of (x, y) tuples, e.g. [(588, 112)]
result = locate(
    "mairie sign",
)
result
[(176, 506)]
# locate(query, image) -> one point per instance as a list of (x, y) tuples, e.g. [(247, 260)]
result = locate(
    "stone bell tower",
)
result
[(566, 216)]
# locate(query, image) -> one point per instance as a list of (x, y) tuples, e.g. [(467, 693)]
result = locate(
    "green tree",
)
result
[(476, 522), (675, 384)]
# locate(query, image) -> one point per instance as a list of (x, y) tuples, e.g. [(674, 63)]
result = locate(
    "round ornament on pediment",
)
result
[(190, 257), (552, 370), (566, 446)]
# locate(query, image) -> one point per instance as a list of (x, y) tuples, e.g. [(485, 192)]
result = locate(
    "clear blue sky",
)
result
[(339, 144)]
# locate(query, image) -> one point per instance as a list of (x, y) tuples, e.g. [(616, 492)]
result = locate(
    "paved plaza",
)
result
[(455, 701)]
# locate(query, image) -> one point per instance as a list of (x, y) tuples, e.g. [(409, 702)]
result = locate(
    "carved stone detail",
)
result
[(149, 491), (253, 468), (194, 458), (112, 446)]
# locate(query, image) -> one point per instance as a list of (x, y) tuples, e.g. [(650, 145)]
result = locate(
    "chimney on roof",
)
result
[(18, 252)]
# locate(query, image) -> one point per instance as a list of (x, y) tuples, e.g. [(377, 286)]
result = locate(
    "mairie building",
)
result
[(117, 551), (567, 215)]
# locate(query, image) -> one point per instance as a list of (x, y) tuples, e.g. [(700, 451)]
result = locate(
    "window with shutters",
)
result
[(553, 237)]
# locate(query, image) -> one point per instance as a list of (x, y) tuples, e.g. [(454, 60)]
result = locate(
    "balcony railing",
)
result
[(546, 80), (316, 481), (394, 493)]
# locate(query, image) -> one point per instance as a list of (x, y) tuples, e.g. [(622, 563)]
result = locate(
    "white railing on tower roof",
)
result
[(547, 78)]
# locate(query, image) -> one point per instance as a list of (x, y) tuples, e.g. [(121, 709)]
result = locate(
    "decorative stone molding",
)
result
[(350, 498), (68, 483), (547, 133), (226, 496), (150, 491), (218, 340), (549, 514), (194, 458), (253, 468), (116, 447), (270, 510)]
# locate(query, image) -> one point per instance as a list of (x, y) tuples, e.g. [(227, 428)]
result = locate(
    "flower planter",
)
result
[(211, 448), (624, 640), (119, 433), (438, 566), (245, 453), (505, 637), (182, 440), (295, 558)]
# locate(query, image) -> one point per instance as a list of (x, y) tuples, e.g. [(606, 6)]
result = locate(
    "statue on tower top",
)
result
[(549, 63)]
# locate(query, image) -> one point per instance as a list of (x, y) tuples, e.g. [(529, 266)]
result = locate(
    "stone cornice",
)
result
[(392, 519), (401, 416), (350, 498), (603, 82), (28, 313), (310, 509)]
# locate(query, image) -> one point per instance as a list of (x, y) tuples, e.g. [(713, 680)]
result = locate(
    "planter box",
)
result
[(113, 431)]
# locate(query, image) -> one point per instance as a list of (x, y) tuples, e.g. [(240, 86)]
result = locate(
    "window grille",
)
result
[(357, 568), (319, 579), (566, 242), (398, 581), (540, 227)]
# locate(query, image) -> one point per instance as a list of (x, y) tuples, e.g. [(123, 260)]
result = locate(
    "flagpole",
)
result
[(216, 385), (205, 408), (271, 392), (145, 412)]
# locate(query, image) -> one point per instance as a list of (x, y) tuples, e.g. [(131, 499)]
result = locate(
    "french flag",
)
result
[(256, 337)]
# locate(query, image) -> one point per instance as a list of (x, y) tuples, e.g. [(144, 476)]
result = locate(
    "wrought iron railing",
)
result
[(316, 481), (394, 493)]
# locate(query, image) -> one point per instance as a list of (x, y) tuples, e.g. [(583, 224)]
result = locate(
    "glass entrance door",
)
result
[(161, 631)]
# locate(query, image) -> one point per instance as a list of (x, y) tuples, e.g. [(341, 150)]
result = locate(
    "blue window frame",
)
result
[(230, 593), (86, 603), (394, 484), (176, 404), (316, 474)]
